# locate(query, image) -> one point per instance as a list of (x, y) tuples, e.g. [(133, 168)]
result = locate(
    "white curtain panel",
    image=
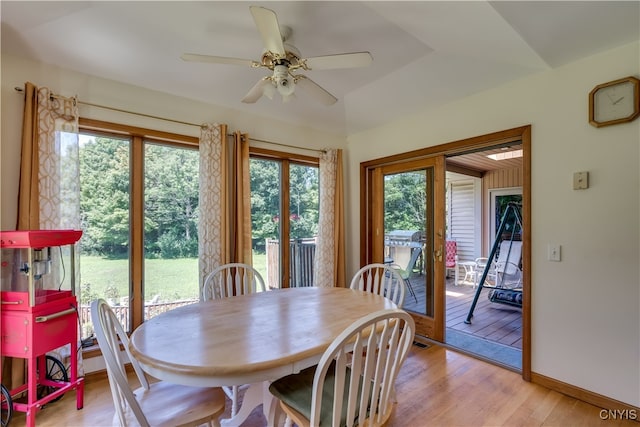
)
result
[(325, 249), (211, 196)]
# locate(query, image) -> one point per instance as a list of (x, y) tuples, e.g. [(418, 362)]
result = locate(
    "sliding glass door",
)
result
[(408, 234)]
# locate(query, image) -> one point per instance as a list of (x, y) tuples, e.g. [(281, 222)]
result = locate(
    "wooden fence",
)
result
[(301, 253)]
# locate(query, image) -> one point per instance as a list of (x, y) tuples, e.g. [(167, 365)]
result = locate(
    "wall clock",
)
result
[(614, 102)]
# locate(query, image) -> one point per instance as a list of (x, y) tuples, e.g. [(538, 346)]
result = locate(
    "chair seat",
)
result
[(164, 404), (296, 391)]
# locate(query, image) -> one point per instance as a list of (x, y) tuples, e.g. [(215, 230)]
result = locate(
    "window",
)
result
[(139, 213), (281, 183)]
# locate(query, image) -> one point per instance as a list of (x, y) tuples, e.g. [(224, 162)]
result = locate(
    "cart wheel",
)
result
[(7, 407), (56, 371)]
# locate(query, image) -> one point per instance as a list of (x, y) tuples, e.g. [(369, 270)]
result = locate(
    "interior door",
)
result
[(408, 233)]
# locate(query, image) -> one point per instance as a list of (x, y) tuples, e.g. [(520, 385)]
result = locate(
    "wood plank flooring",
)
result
[(494, 322), (436, 387)]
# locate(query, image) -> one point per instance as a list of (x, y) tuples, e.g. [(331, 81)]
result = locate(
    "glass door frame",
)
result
[(522, 134), (428, 326)]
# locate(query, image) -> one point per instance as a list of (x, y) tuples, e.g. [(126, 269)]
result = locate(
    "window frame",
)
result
[(138, 138), (286, 160)]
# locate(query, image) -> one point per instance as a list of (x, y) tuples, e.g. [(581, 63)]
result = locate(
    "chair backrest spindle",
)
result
[(232, 279), (380, 279)]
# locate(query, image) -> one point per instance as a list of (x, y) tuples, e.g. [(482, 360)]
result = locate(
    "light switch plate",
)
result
[(553, 252), (580, 180)]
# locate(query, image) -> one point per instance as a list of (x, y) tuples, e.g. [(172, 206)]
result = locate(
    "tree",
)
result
[(265, 200), (171, 199), (405, 201), (104, 196)]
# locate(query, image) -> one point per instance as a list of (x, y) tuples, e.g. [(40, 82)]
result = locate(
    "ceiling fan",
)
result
[(284, 60)]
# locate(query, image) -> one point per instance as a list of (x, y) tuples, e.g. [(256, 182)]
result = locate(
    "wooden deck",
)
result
[(494, 322)]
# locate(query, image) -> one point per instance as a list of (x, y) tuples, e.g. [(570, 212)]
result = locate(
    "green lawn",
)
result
[(171, 279)]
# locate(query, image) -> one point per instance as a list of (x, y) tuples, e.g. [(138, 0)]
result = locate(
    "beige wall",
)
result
[(586, 308)]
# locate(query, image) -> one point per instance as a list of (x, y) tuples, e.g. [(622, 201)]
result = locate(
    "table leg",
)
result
[(253, 396)]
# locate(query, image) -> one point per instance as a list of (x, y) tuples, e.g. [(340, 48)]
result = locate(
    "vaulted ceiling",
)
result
[(425, 53)]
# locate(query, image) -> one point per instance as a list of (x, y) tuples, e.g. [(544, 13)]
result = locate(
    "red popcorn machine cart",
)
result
[(39, 315)]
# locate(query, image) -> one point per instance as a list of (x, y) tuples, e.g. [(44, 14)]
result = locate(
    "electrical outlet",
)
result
[(553, 252)]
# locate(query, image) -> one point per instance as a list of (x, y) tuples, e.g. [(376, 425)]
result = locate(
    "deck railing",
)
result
[(301, 253), (122, 312)]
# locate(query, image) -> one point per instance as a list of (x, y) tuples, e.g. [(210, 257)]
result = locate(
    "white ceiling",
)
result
[(426, 53)]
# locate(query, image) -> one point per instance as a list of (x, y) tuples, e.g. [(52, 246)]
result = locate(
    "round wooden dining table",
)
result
[(248, 339)]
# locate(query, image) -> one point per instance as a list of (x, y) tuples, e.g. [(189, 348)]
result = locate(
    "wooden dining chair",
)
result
[(232, 279), (153, 404), (353, 384), (381, 279), (226, 281)]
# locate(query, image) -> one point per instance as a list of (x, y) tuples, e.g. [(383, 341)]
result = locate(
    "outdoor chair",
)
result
[(406, 272), (505, 270), (507, 265), (451, 259)]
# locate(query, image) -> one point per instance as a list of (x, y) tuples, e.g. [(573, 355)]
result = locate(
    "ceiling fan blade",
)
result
[(257, 90), (267, 23), (313, 89), (194, 57), (343, 60)]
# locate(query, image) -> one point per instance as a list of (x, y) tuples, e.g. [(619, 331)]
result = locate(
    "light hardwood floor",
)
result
[(436, 387)]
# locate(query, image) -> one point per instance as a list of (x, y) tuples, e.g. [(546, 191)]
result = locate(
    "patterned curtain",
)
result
[(49, 187), (212, 243), (329, 259), (224, 229), (49, 192)]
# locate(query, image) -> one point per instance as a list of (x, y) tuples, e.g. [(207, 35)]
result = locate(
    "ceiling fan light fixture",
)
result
[(284, 83)]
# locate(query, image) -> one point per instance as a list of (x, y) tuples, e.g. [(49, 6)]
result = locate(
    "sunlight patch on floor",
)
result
[(454, 294)]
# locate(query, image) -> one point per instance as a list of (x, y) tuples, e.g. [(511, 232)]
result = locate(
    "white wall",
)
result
[(16, 71), (586, 308)]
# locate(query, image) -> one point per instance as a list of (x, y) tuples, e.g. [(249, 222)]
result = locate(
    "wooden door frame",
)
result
[(522, 134), (432, 325)]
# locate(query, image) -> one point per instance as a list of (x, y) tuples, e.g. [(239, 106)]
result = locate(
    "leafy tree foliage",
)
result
[(104, 202), (171, 199), (265, 201), (303, 202), (171, 202), (405, 201)]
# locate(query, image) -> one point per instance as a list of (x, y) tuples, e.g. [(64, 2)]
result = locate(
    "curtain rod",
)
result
[(285, 145), (19, 89)]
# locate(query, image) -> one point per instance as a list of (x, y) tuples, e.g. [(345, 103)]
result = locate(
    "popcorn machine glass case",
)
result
[(39, 310)]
